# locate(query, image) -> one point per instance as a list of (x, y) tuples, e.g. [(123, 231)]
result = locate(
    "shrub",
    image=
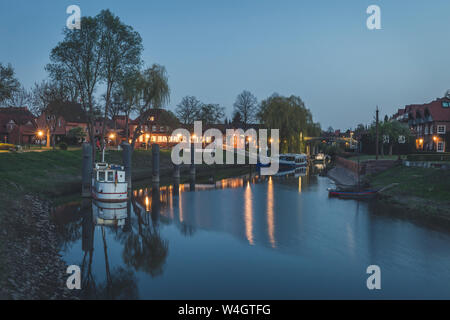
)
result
[(63, 146), (429, 157)]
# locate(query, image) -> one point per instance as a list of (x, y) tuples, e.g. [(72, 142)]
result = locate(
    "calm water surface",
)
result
[(258, 239)]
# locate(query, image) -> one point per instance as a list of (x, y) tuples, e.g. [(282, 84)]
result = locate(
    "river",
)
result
[(259, 238)]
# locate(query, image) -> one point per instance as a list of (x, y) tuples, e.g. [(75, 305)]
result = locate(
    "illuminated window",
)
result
[(440, 146)]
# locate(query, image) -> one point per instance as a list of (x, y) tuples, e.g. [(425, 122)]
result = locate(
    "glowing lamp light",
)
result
[(435, 138), (147, 136), (112, 136), (40, 134)]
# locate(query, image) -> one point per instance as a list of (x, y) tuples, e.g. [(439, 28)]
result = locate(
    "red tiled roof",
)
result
[(20, 116), (437, 112)]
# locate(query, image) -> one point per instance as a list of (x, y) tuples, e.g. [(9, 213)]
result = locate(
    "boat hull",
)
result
[(352, 195), (110, 192)]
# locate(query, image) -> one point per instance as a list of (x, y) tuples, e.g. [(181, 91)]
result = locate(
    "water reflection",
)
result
[(270, 216), (228, 234), (248, 213)]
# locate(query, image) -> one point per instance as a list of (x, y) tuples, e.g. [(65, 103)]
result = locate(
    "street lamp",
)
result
[(147, 136), (40, 134)]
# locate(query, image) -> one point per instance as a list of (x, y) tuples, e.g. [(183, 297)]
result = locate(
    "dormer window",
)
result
[(445, 104)]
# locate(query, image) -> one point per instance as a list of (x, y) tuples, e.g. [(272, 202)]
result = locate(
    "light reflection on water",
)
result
[(249, 238)]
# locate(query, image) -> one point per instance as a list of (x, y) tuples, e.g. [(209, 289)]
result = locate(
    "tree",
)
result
[(48, 97), (170, 121), (152, 92), (125, 95), (20, 97), (8, 83), (237, 119), (188, 109), (211, 113), (246, 105), (392, 130), (78, 59), (292, 118), (76, 134), (360, 129), (122, 49)]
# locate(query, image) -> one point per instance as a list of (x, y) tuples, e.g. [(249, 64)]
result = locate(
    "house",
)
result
[(17, 125), (430, 123), (156, 127), (61, 117)]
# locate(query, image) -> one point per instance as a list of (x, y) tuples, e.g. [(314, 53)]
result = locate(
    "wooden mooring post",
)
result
[(155, 163), (126, 158), (86, 174)]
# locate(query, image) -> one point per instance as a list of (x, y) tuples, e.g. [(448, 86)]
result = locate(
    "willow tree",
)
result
[(152, 92), (293, 120), (124, 97)]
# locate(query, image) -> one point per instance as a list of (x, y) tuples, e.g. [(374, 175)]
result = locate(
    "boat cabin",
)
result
[(109, 173)]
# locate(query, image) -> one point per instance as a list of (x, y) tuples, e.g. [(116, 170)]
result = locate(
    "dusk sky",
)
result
[(321, 51)]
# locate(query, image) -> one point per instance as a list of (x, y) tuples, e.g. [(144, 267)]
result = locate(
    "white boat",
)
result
[(320, 157), (292, 160), (109, 183), (301, 160)]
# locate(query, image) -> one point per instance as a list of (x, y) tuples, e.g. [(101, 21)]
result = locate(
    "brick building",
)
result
[(430, 123), (17, 125)]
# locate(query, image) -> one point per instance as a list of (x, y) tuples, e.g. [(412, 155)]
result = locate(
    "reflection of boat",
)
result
[(109, 213), (300, 172), (108, 183)]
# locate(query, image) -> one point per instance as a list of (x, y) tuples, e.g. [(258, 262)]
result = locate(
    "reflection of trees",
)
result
[(122, 285), (145, 251), (67, 223), (68, 233), (186, 229)]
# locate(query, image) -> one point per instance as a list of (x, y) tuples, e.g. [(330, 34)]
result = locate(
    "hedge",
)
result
[(429, 157)]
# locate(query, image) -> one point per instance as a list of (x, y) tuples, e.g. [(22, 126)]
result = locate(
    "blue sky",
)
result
[(318, 50)]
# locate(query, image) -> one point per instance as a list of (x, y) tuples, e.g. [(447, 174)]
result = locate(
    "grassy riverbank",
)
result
[(423, 191), (55, 173)]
